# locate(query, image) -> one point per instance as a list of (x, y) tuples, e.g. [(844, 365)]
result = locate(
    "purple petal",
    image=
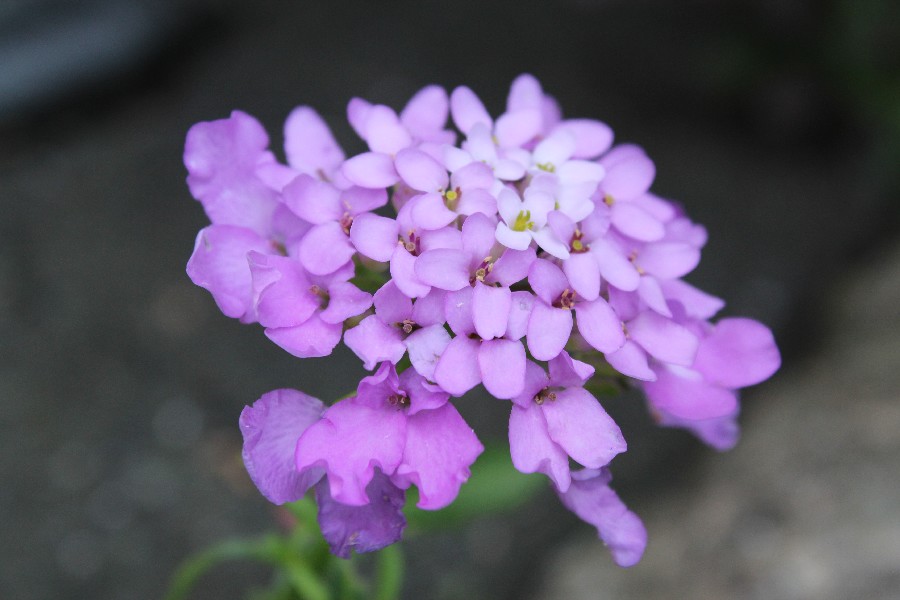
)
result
[(614, 267), (404, 275), (325, 249), (477, 201), (721, 433), (345, 301), (631, 360), (426, 112), (429, 212), (516, 128), (349, 442), (547, 280), (219, 265), (384, 131), (521, 304), (599, 325), (271, 428), (440, 448), (391, 305), (478, 236), (525, 92), (281, 291), (358, 200), (689, 397), (443, 268), (565, 371), (512, 267), (548, 330), (697, 304), (664, 339), (420, 171), (651, 293), (371, 169), (583, 273), (577, 422), (475, 175), (669, 260), (457, 370), (467, 110), (430, 309), (737, 353), (635, 222), (423, 396), (373, 342), (592, 138), (591, 498), (357, 113), (313, 200), (374, 236), (490, 310), (425, 347), (531, 448), (502, 366), (314, 337), (366, 528), (629, 177), (309, 144)]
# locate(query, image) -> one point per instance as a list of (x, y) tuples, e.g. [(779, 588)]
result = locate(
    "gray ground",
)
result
[(120, 383)]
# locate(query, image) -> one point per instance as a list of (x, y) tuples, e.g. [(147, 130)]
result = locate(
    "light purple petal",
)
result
[(631, 360), (373, 342), (420, 171), (425, 347), (669, 260), (313, 200), (599, 325), (664, 339), (314, 337), (629, 177), (366, 528), (371, 169), (391, 305), (548, 330), (308, 142), (357, 113), (651, 293), (635, 222), (521, 303), (697, 304), (429, 212), (737, 353), (478, 236), (374, 236), (547, 280), (614, 267), (583, 273), (490, 310), (475, 175), (349, 442), (467, 110), (566, 371), (219, 265), (577, 422), (443, 268), (426, 112), (512, 267), (689, 398), (384, 131), (502, 366), (591, 498), (345, 301), (531, 448), (422, 394), (721, 433), (592, 138), (457, 370), (440, 448), (271, 428), (430, 309), (325, 249), (281, 291), (516, 128), (403, 273), (358, 200), (525, 92)]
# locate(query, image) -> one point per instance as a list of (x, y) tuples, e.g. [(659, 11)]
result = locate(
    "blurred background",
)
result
[(775, 122)]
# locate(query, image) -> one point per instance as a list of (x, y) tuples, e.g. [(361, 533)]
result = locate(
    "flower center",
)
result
[(608, 200), (413, 245), (483, 270), (547, 166), (346, 222), (544, 395), (523, 221), (324, 298), (398, 401), (451, 198), (408, 326), (633, 259), (576, 246), (566, 300)]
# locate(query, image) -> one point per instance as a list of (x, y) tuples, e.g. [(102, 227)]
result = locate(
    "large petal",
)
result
[(737, 353), (591, 498), (440, 448), (312, 200), (444, 269), (271, 428), (521, 304), (599, 325), (457, 370), (281, 291), (373, 342), (219, 265), (467, 110), (325, 249), (664, 339), (549, 329), (631, 360), (374, 236), (345, 301), (384, 131), (517, 128), (614, 267), (349, 442), (366, 528), (669, 260), (592, 138), (502, 366), (426, 112), (420, 171), (312, 338), (531, 448), (577, 422), (391, 305), (547, 280), (309, 144), (635, 222), (583, 273), (371, 170), (425, 347), (404, 274), (629, 177), (490, 310), (689, 396)]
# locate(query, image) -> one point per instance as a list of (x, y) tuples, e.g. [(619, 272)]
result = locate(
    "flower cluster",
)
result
[(520, 245)]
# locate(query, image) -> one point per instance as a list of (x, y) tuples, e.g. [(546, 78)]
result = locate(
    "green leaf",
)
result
[(388, 573)]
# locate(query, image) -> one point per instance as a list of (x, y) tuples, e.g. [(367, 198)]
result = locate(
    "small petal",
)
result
[(514, 129), (664, 339), (444, 269), (599, 325), (549, 329), (521, 303), (313, 338), (426, 112), (371, 169), (374, 342), (737, 353), (346, 300), (374, 236), (325, 249), (457, 370), (502, 366), (689, 397), (309, 144), (631, 360), (669, 260), (467, 110), (490, 310), (577, 422), (531, 448), (420, 171), (425, 347)]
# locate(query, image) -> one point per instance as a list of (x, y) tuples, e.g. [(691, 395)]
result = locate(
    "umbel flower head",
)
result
[(525, 251)]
